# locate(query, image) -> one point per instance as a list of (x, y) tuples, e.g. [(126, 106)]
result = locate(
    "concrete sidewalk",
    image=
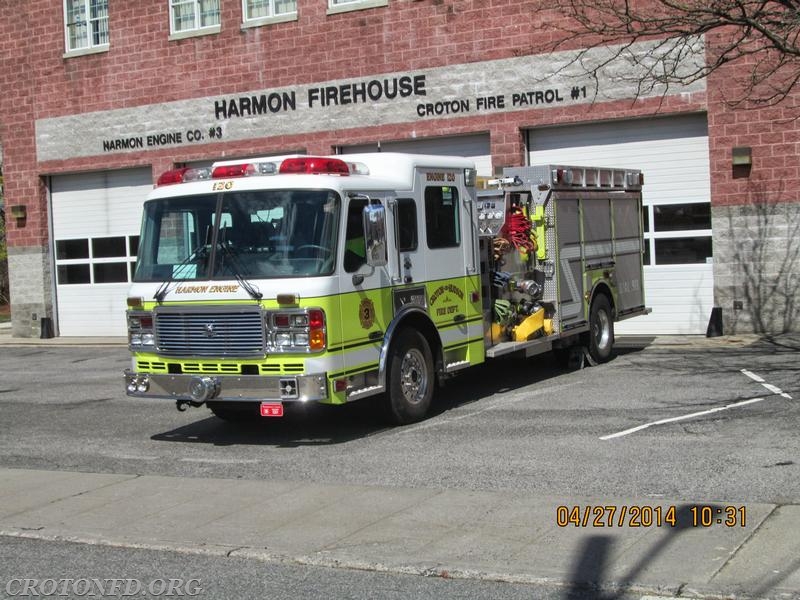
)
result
[(426, 531), (7, 339)]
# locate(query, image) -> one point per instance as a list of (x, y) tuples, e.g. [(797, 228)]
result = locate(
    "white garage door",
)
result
[(475, 146), (96, 219), (673, 154)]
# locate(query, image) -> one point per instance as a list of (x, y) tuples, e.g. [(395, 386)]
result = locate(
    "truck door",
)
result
[(444, 252), (366, 292)]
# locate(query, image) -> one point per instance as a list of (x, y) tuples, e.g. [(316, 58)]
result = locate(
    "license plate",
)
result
[(271, 409)]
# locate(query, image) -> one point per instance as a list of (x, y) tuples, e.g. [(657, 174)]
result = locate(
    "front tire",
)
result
[(411, 378), (601, 329)]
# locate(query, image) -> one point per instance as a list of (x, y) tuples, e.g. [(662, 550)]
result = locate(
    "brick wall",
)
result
[(143, 67), (756, 209)]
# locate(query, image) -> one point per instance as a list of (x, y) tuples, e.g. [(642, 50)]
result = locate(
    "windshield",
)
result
[(260, 234)]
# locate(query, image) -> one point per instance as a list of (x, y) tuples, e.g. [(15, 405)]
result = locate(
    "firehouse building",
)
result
[(101, 96)]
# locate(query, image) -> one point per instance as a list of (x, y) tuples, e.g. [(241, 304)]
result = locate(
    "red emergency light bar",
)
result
[(309, 165), (228, 171), (183, 175), (314, 165)]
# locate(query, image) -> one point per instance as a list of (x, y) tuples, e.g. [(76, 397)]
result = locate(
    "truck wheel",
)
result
[(411, 378), (235, 412), (601, 329)]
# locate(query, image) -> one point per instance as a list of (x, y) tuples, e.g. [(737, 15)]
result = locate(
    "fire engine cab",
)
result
[(334, 278)]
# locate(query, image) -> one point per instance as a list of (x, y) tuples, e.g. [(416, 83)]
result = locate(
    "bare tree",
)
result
[(761, 37)]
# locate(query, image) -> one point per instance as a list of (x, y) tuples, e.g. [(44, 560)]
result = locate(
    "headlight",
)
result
[(297, 330), (141, 334)]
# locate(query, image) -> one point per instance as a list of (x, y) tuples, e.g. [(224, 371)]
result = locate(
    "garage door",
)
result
[(96, 219), (474, 146), (673, 154)]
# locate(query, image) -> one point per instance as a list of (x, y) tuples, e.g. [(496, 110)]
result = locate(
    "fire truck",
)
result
[(299, 279)]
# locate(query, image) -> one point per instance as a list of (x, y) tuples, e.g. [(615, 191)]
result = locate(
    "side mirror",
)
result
[(375, 234)]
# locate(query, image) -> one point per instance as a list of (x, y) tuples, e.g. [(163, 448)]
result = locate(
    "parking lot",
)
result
[(551, 482), (517, 425)]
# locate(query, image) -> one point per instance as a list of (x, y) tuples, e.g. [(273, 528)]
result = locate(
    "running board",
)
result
[(634, 313), (365, 392), (456, 366), (532, 347)]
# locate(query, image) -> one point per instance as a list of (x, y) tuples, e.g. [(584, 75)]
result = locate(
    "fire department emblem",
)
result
[(366, 313)]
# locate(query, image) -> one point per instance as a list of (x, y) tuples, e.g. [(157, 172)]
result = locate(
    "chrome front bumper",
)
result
[(235, 388)]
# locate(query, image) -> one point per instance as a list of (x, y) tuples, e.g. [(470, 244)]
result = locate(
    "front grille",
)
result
[(209, 332)]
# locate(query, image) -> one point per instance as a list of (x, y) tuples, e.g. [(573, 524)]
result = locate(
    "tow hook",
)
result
[(182, 405)]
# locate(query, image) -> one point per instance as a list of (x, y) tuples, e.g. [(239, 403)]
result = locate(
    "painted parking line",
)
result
[(770, 387), (694, 415), (681, 418)]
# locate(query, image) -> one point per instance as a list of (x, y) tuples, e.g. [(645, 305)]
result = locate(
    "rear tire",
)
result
[(411, 378), (601, 329)]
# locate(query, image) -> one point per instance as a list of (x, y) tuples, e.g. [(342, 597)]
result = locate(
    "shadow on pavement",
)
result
[(316, 424), (590, 578)]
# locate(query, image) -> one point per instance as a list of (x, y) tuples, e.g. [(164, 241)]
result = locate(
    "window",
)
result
[(406, 225), (336, 6), (193, 15), (441, 217), (265, 11), (680, 217), (683, 251), (355, 251), (260, 234), (678, 234), (86, 24), (96, 260)]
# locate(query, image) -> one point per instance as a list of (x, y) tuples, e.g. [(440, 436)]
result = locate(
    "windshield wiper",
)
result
[(235, 265), (164, 288)]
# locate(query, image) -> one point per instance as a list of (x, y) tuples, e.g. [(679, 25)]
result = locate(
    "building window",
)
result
[(257, 12), (193, 15), (337, 6), (86, 24)]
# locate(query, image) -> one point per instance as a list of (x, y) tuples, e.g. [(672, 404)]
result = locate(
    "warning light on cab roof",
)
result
[(306, 165), (315, 165)]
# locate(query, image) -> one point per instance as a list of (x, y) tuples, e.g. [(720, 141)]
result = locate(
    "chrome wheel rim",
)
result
[(413, 376), (602, 330)]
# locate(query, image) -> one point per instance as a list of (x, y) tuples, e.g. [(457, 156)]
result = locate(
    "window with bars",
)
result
[(86, 23), (257, 10), (193, 15)]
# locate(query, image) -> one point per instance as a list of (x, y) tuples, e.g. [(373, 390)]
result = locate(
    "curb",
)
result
[(441, 571)]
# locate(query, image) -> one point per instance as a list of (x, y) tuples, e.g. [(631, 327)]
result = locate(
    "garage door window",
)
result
[(109, 259), (678, 234)]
